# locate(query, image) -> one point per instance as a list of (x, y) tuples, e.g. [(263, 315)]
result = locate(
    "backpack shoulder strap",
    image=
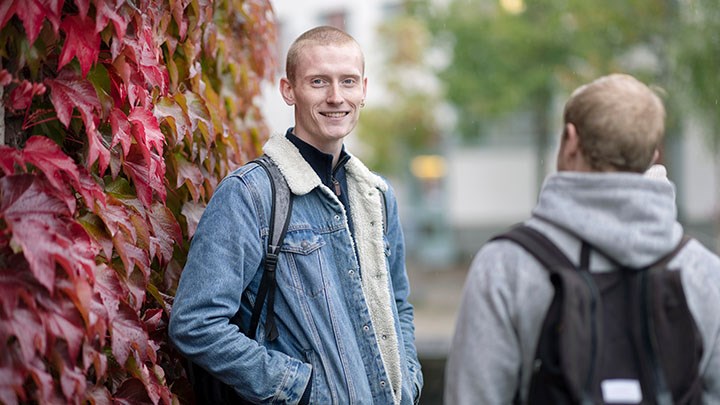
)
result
[(384, 211), (663, 261), (538, 245), (280, 210)]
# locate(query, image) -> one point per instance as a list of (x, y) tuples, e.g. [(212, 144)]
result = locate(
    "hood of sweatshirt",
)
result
[(627, 216)]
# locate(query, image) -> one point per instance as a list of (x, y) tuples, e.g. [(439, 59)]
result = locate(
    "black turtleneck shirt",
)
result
[(321, 162)]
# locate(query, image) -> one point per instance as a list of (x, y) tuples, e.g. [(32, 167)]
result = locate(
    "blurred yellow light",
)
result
[(428, 167), (513, 6)]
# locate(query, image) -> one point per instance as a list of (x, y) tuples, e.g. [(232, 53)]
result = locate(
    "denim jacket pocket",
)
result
[(303, 258), (320, 393)]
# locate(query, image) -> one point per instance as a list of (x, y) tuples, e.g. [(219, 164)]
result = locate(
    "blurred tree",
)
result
[(404, 124), (698, 61), (510, 56)]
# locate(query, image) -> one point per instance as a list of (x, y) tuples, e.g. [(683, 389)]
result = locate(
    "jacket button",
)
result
[(384, 337), (366, 328), (382, 383), (351, 272), (304, 244), (337, 217)]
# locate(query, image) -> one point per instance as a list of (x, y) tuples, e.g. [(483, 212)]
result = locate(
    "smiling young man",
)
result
[(344, 323)]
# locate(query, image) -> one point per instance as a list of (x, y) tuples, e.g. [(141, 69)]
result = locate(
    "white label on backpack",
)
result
[(621, 391)]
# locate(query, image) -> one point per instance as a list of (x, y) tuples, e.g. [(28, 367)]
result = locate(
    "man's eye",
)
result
[(317, 82), (349, 82)]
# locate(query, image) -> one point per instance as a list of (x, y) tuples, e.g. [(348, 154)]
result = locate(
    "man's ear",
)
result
[(570, 154), (656, 156), (286, 90)]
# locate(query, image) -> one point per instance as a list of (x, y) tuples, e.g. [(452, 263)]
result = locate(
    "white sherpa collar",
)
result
[(300, 175)]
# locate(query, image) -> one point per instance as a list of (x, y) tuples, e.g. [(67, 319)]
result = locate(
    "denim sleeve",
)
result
[(401, 289), (224, 255)]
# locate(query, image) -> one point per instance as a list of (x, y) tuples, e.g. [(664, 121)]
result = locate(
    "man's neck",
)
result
[(323, 163), (332, 148)]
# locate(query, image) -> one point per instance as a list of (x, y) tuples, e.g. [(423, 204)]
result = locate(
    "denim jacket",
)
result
[(341, 303)]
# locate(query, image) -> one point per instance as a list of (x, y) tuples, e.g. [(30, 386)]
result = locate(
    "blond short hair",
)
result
[(323, 35), (620, 123)]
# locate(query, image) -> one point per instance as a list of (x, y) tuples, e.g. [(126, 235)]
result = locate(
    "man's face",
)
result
[(327, 93)]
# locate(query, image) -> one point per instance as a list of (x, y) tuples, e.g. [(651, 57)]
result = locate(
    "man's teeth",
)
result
[(335, 114)]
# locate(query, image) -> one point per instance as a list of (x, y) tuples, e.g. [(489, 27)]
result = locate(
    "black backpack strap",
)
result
[(384, 210), (538, 245), (663, 261), (663, 393), (279, 220)]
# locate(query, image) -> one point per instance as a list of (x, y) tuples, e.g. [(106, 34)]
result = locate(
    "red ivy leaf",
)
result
[(72, 381), (118, 90), (170, 111), (7, 10), (166, 232), (156, 390), (8, 157), (131, 255), (178, 11), (117, 218), (200, 117), (190, 175), (27, 327), (132, 81), (107, 11), (63, 320), (96, 149), (153, 319), (146, 176), (31, 217), (146, 53), (127, 333), (16, 283), (81, 41), (132, 392), (109, 288), (68, 92), (44, 381), (98, 395), (11, 381), (192, 211), (5, 76), (32, 13), (96, 329), (20, 97), (83, 7), (58, 167), (90, 189), (41, 224), (121, 129), (146, 130)]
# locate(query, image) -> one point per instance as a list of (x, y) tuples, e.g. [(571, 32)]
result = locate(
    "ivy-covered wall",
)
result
[(120, 118)]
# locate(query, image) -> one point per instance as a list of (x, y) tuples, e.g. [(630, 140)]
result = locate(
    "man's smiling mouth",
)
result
[(338, 114)]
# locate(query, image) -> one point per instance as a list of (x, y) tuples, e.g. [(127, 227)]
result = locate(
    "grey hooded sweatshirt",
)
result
[(629, 217)]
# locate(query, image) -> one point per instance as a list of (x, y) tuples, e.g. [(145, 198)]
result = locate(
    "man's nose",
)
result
[(334, 95)]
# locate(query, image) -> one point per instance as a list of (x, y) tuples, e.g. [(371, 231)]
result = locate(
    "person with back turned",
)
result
[(578, 303)]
